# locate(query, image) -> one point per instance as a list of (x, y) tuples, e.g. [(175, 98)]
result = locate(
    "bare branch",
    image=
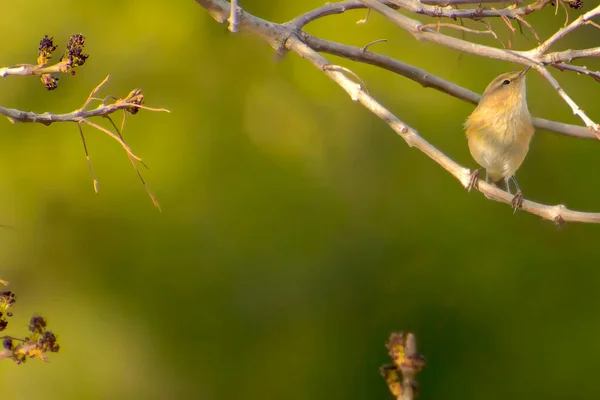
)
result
[(558, 213), (366, 47), (568, 55), (429, 80), (131, 104), (47, 118), (420, 32), (580, 70), (594, 127), (330, 9), (414, 27), (274, 33), (431, 8), (581, 20)]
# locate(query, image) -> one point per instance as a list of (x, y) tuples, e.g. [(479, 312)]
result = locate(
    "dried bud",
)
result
[(48, 342), (45, 50), (37, 324), (134, 97), (575, 4), (7, 343), (49, 81), (392, 378), (7, 299), (74, 51)]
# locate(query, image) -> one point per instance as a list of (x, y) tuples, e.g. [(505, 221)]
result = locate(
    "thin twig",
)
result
[(592, 23), (115, 137), (581, 20), (331, 67), (460, 28), (366, 47), (579, 69), (365, 19), (528, 25), (566, 12), (594, 127), (87, 156), (94, 92), (133, 163), (233, 17), (429, 8)]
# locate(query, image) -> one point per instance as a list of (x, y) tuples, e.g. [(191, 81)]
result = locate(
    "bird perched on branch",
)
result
[(499, 131)]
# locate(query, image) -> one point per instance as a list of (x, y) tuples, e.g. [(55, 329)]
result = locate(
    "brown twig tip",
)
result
[(401, 375), (402, 348)]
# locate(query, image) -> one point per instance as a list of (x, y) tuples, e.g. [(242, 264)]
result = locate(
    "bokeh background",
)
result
[(298, 231)]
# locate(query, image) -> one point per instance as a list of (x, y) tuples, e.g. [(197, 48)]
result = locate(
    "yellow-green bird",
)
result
[(499, 130)]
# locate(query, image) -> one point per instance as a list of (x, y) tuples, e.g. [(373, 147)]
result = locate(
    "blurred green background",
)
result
[(298, 231)]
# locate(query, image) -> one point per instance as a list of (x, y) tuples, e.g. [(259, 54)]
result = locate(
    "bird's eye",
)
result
[(505, 82)]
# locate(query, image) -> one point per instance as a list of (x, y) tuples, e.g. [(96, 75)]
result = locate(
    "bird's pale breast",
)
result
[(500, 142)]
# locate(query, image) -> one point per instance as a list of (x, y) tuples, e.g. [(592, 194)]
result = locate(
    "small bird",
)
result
[(499, 131)]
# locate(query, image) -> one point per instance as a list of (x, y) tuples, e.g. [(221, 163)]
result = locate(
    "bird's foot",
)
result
[(517, 201), (473, 179)]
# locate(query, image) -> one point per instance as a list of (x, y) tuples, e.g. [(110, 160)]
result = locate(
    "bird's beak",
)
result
[(522, 73)]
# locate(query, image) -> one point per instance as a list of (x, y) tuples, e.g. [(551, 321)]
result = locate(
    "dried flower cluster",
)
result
[(73, 58), (574, 4), (7, 299), (37, 345)]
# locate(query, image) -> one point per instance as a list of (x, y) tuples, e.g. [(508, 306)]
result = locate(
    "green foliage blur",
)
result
[(298, 231)]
